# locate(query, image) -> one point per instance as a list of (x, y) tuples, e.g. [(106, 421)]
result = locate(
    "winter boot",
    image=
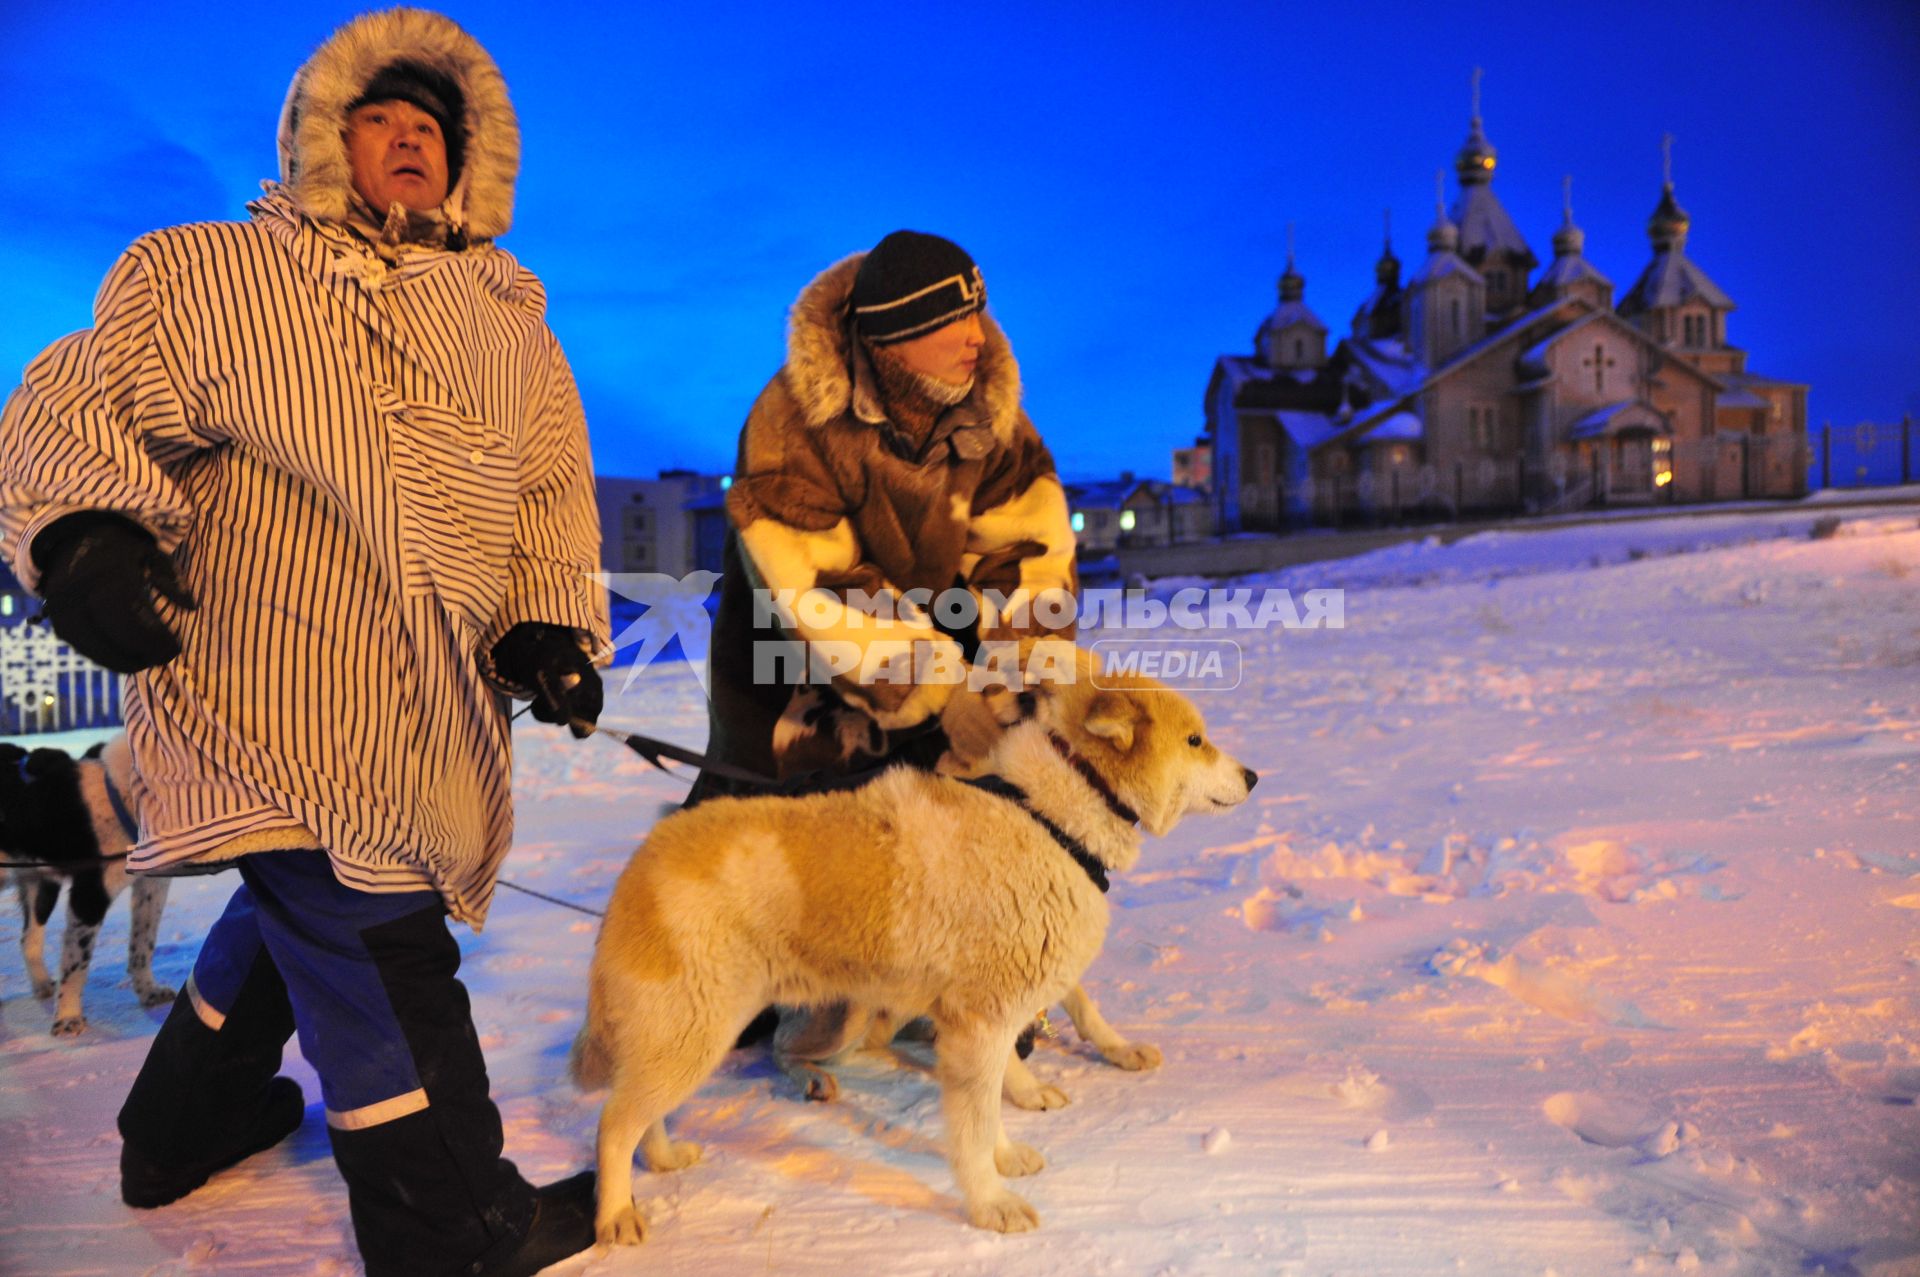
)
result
[(146, 1183), (562, 1227), (206, 1097), (428, 1189)]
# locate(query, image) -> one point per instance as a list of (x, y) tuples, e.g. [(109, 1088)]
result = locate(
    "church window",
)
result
[(1456, 317), (1497, 281), (1299, 348)]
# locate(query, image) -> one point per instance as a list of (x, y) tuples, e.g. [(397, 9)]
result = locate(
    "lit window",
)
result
[(1126, 520), (6, 605), (1079, 521), (726, 481)]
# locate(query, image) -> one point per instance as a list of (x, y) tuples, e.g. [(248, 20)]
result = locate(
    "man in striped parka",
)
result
[(320, 482)]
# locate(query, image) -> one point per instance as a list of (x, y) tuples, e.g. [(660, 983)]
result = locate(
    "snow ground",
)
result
[(1573, 928)]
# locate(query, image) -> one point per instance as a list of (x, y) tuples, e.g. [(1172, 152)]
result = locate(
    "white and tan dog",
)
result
[(977, 902)]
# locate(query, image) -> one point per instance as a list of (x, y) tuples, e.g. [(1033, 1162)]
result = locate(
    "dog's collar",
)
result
[(1073, 846), (1094, 778)]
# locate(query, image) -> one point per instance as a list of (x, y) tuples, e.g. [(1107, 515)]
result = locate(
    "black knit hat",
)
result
[(912, 283), (436, 94)]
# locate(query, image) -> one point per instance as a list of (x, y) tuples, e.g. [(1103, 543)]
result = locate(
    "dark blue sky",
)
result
[(1124, 174)]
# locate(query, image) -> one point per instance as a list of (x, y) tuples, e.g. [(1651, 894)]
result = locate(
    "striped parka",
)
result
[(368, 468)]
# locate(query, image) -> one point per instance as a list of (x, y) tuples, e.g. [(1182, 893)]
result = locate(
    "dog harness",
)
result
[(1073, 846), (1094, 778)]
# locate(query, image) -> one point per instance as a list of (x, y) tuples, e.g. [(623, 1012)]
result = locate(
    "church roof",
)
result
[(1597, 421), (1307, 429), (1748, 379), (1570, 269), (1439, 265), (1387, 363), (1486, 229), (1402, 425), (1289, 313), (1670, 279)]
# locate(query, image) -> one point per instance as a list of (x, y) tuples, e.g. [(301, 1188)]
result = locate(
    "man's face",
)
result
[(946, 354), (397, 153)]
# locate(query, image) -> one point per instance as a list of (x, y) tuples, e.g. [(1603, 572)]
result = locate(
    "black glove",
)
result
[(98, 574), (548, 661)]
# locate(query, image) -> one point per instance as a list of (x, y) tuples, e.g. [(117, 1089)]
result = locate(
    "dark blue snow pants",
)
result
[(371, 984)]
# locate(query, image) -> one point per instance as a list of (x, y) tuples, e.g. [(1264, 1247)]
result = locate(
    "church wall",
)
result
[(1687, 403), (1223, 432)]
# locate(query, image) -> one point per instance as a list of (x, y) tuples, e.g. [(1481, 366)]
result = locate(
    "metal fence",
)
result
[(1722, 467), (1870, 454), (46, 686)]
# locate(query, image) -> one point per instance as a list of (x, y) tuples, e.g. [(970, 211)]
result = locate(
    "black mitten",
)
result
[(548, 661), (99, 575)]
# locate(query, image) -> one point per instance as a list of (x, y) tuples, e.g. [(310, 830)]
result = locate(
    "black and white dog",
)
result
[(70, 817)]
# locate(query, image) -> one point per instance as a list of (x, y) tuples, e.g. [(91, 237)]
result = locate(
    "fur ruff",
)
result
[(313, 151), (820, 358)]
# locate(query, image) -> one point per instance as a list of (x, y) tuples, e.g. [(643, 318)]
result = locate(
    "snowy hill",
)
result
[(1574, 928)]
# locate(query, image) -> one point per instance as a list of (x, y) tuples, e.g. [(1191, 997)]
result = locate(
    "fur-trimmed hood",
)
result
[(821, 358), (313, 152)]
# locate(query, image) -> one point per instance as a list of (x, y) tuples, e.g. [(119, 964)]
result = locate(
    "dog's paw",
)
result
[(679, 1155), (621, 1228), (1018, 1159), (70, 1026), (1135, 1057), (158, 996), (1039, 1098), (1004, 1212), (821, 1086)]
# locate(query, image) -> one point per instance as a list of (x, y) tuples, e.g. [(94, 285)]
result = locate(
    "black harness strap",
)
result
[(121, 811), (1073, 846), (1094, 778)]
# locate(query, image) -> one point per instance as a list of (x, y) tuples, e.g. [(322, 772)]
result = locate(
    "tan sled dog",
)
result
[(914, 891)]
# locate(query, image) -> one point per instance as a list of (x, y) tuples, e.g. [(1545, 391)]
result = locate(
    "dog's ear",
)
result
[(42, 763), (1111, 716)]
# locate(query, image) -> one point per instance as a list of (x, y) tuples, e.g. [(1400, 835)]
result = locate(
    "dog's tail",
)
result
[(589, 1064)]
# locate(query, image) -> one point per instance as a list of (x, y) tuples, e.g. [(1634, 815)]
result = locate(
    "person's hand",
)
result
[(548, 661), (974, 722), (100, 574)]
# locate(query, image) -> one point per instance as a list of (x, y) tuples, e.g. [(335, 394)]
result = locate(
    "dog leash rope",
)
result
[(8, 862), (552, 900)]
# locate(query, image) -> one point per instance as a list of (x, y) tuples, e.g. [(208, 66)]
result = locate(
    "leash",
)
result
[(552, 900), (655, 751)]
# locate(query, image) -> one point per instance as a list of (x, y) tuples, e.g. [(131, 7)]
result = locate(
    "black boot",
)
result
[(429, 1191), (146, 1183), (206, 1099), (562, 1227)]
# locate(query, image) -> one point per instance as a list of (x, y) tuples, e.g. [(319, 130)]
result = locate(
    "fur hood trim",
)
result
[(313, 152), (821, 353)]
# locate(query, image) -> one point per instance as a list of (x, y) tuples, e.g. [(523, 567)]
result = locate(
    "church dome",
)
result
[(1569, 240), (1474, 164), (1668, 226)]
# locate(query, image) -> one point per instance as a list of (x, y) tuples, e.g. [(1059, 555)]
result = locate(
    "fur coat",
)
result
[(830, 509)]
